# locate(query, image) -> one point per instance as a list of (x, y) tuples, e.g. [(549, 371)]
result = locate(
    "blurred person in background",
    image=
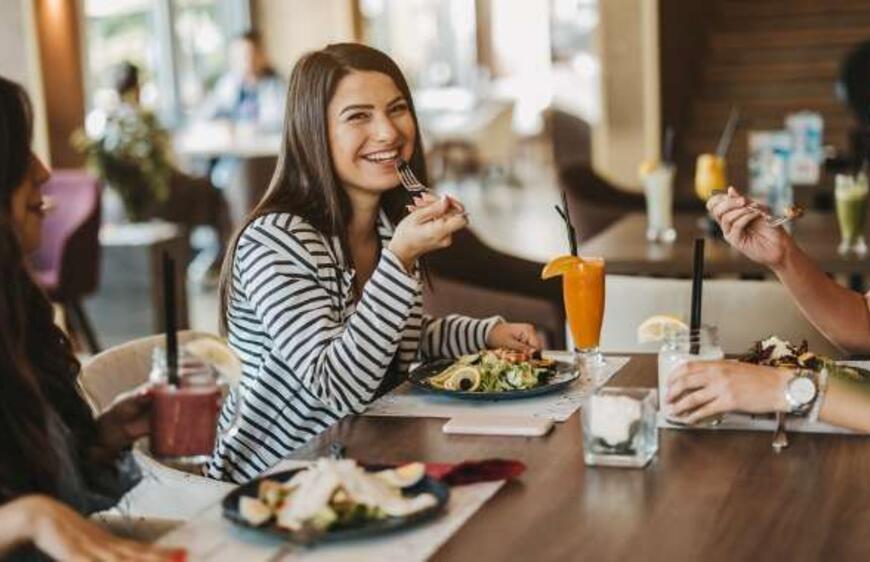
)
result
[(191, 201), (251, 91), (57, 462)]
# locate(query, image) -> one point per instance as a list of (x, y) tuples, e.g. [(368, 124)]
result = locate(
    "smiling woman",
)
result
[(321, 293)]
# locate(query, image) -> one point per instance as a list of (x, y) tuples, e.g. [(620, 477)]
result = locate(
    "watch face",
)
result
[(802, 390)]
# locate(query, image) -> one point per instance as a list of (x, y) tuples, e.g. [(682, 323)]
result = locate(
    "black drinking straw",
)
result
[(169, 317), (697, 281), (668, 145), (569, 226)]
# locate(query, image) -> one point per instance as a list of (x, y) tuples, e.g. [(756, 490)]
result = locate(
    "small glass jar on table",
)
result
[(619, 427), (680, 347)]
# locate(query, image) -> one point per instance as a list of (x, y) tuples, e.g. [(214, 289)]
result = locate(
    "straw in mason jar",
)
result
[(169, 320), (697, 282)]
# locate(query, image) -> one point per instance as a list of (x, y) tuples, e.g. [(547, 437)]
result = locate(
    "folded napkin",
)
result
[(472, 472)]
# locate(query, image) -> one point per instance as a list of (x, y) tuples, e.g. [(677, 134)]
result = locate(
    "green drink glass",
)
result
[(851, 195)]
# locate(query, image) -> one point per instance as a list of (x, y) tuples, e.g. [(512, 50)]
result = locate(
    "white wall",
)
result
[(19, 61), (291, 28), (629, 129)]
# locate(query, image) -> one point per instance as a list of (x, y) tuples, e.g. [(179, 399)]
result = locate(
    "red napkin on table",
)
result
[(471, 472)]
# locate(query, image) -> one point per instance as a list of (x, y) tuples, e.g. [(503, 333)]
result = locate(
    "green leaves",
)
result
[(130, 152)]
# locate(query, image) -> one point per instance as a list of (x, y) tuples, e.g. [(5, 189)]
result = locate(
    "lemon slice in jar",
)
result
[(655, 328)]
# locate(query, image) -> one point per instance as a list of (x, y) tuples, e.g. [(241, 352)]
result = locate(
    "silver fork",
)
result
[(773, 221), (408, 179), (780, 438)]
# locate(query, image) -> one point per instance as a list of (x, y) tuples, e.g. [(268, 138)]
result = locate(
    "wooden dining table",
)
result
[(624, 246), (708, 495)]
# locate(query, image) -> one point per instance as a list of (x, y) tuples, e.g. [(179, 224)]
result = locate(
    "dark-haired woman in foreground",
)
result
[(56, 460), (321, 290)]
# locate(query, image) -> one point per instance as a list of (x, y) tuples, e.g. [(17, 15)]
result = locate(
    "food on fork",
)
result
[(794, 212)]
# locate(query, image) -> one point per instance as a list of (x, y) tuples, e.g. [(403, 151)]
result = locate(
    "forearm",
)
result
[(455, 335), (14, 524), (840, 314), (846, 404)]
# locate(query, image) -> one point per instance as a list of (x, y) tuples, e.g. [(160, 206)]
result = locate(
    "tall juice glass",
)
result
[(852, 196), (658, 187), (583, 290), (709, 175)]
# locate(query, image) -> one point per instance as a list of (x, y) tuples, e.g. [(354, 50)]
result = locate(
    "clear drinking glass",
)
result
[(619, 427), (851, 196), (658, 187), (583, 291), (681, 347)]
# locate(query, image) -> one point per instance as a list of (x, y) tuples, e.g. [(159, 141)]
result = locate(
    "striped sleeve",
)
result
[(454, 335), (342, 364)]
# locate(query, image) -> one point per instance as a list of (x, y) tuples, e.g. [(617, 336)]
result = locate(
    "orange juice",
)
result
[(709, 175), (583, 290)]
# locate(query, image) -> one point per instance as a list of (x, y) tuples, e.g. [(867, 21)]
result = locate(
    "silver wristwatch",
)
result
[(801, 391)]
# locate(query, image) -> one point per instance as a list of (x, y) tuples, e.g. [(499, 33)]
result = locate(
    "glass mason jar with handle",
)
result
[(184, 417)]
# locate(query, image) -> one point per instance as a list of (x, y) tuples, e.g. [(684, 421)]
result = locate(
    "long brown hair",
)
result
[(305, 182), (37, 366)]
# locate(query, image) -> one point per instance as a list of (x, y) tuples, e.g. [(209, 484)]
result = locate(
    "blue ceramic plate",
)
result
[(565, 374)]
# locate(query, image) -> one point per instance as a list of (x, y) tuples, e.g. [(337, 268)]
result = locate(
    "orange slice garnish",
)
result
[(560, 266)]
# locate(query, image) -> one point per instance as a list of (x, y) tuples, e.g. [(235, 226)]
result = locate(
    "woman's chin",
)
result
[(379, 185)]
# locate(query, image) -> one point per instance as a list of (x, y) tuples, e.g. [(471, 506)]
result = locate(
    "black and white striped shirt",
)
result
[(310, 353)]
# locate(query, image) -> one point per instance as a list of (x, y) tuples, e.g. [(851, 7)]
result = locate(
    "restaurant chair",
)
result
[(594, 202), (67, 263), (571, 138), (122, 368), (473, 279), (744, 311), (166, 497)]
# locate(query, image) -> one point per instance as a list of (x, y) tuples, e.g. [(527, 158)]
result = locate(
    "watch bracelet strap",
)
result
[(821, 389)]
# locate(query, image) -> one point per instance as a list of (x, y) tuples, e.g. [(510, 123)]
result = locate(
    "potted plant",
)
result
[(129, 150)]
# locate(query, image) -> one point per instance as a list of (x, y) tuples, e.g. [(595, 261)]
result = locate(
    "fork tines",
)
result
[(407, 177)]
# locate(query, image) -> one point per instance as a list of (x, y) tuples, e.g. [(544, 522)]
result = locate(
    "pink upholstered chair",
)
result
[(67, 263)]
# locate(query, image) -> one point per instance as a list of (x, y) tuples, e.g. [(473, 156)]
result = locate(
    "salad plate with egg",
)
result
[(337, 499), (776, 352), (494, 374)]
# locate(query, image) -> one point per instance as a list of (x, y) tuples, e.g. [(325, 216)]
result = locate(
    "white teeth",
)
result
[(382, 156)]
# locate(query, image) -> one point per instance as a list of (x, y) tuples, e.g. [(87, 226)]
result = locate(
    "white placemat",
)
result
[(408, 401), (746, 422), (209, 537), (743, 422)]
